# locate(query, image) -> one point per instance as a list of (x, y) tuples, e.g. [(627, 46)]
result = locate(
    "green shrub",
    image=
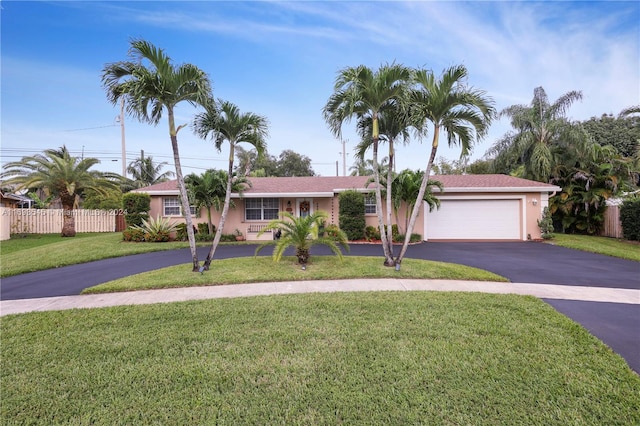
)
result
[(371, 233), (133, 235), (351, 214), (546, 224), (156, 230), (181, 232), (204, 237), (226, 238), (157, 237), (415, 238), (332, 230), (203, 228), (137, 206), (630, 219)]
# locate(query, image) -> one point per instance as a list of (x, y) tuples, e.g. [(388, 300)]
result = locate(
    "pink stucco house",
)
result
[(473, 207)]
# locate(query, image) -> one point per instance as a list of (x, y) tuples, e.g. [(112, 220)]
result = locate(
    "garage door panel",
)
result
[(475, 219)]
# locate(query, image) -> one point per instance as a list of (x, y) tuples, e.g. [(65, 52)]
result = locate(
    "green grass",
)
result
[(601, 245), (264, 269), (346, 358), (39, 252)]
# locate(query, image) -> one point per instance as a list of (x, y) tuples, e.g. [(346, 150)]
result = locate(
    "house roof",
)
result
[(326, 186)]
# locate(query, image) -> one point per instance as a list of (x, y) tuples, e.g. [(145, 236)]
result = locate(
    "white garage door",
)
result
[(474, 220)]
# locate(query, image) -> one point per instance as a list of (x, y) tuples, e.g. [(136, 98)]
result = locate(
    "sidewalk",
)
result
[(546, 291)]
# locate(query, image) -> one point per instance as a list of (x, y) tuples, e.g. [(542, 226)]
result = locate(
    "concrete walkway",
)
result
[(543, 291)]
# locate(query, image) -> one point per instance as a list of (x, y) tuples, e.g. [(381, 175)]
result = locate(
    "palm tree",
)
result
[(209, 189), (450, 106), (150, 89), (302, 233), (224, 122), (362, 167), (361, 93), (541, 133), (394, 123), (59, 174), (145, 172), (405, 188), (589, 174)]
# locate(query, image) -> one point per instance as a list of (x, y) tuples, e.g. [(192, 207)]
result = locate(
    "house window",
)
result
[(261, 208), (369, 203), (172, 207)]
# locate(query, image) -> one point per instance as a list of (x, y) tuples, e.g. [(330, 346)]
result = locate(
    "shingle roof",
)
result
[(327, 185)]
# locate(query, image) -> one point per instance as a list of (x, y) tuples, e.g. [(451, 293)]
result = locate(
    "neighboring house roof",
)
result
[(326, 186), (18, 199)]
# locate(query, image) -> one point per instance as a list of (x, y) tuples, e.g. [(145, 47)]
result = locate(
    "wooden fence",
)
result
[(612, 226), (49, 221)]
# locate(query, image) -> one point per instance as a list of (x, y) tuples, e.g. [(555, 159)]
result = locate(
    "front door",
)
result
[(304, 207)]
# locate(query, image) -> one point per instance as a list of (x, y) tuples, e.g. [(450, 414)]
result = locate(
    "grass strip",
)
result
[(602, 245), (40, 252), (343, 358), (264, 269)]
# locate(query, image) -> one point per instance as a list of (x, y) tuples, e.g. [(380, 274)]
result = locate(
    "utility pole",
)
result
[(344, 157), (124, 154)]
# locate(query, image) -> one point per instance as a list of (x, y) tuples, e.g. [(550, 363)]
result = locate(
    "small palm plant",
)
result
[(156, 230), (302, 233)]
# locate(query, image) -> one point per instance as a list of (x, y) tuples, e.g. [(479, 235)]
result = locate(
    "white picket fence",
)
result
[(49, 221)]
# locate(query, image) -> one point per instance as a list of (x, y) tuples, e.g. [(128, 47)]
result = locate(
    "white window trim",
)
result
[(374, 205), (262, 208), (164, 208)]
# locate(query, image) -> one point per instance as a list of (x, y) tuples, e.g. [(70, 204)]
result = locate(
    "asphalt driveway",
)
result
[(523, 262), (618, 325)]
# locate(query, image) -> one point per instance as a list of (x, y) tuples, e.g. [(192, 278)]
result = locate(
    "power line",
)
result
[(89, 128)]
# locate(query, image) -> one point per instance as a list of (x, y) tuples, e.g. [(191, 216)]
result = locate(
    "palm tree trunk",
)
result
[(389, 207), (388, 260), (68, 219), (184, 199), (225, 210), (210, 222), (419, 203)]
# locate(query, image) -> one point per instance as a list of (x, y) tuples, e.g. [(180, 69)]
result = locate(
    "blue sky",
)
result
[(280, 59)]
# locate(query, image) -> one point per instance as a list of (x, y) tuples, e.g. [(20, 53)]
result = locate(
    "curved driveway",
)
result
[(618, 325), (519, 262)]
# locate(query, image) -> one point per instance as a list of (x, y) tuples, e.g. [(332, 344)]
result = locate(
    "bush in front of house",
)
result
[(136, 207), (371, 233), (181, 232), (351, 214), (133, 235), (630, 219), (156, 230), (546, 224)]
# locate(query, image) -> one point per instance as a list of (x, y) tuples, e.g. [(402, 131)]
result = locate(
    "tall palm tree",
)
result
[(452, 107), (151, 84), (209, 190), (59, 174), (362, 93), (541, 133), (225, 123), (146, 172), (302, 233), (394, 123)]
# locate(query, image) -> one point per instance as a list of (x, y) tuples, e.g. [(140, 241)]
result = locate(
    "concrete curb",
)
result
[(546, 291)]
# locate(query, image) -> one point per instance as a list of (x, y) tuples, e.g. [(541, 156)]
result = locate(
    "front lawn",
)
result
[(264, 269), (602, 245), (346, 358), (40, 252)]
